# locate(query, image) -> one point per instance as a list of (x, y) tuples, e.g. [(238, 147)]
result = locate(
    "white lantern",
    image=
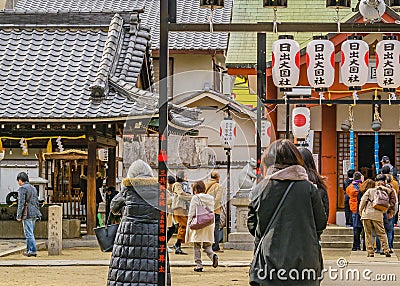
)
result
[(354, 65), (227, 132), (265, 132), (285, 62), (388, 63), (320, 63), (300, 122), (103, 155)]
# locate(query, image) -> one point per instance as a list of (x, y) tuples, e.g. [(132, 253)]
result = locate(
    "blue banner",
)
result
[(376, 152), (352, 149)]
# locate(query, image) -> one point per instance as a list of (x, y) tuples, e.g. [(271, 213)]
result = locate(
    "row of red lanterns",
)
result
[(321, 63)]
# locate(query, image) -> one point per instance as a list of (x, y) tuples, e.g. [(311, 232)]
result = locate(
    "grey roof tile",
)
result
[(188, 11)]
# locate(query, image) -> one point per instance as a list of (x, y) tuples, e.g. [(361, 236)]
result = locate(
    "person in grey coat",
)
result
[(134, 259), (27, 194), (291, 244)]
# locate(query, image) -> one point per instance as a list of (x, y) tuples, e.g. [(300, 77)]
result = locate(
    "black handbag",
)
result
[(106, 235), (258, 264)]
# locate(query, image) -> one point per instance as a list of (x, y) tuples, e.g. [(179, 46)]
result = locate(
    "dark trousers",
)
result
[(215, 245), (356, 232), (347, 211), (171, 231)]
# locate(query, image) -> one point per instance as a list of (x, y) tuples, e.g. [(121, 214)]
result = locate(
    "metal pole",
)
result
[(287, 120), (261, 88), (162, 145), (228, 192)]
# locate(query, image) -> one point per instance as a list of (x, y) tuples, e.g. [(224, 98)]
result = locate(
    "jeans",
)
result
[(356, 233), (347, 211), (29, 226), (389, 234), (215, 246)]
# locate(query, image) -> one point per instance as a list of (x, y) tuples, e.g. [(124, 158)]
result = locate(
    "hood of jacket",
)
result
[(292, 173), (139, 169)]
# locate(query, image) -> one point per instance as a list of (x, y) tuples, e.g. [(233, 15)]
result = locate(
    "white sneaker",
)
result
[(169, 249)]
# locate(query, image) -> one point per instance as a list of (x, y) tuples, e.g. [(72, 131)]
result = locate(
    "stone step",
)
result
[(337, 238), (347, 245)]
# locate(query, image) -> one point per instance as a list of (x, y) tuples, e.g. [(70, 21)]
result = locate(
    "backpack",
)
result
[(381, 200)]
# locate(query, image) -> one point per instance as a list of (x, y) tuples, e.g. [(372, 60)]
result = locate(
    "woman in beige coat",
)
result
[(205, 235)]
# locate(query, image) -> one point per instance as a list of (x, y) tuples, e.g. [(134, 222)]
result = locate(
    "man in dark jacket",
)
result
[(28, 195), (347, 211), (386, 162), (110, 194)]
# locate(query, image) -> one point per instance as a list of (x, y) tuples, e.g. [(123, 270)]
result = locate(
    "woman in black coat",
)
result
[(291, 244), (134, 259)]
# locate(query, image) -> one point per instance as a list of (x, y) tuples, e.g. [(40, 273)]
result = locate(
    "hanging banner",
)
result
[(388, 63), (376, 152), (352, 150), (285, 62), (320, 59), (354, 64), (301, 122), (265, 132), (227, 132)]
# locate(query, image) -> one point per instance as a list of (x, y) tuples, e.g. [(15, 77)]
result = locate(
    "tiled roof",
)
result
[(242, 50), (188, 11), (49, 73)]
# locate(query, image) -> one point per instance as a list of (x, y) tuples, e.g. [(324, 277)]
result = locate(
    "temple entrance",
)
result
[(366, 162)]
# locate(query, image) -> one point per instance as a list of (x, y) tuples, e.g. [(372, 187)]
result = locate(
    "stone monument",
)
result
[(55, 230), (241, 239)]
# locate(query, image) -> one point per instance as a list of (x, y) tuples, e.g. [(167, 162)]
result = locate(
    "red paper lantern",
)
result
[(354, 65), (301, 122), (285, 62), (320, 59), (388, 63)]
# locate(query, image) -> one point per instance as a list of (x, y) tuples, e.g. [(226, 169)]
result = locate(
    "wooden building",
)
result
[(80, 79)]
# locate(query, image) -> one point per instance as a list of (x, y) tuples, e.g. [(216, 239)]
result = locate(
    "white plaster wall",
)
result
[(245, 147), (192, 72)]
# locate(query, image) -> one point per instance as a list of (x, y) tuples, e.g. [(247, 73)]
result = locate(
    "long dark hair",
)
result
[(282, 153), (311, 169)]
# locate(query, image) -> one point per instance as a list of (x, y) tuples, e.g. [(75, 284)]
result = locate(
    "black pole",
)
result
[(162, 145), (261, 88), (228, 192), (287, 120)]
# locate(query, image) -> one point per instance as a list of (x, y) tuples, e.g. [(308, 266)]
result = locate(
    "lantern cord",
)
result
[(351, 116), (355, 97), (376, 113), (392, 96), (210, 20), (275, 21), (321, 97), (337, 19)]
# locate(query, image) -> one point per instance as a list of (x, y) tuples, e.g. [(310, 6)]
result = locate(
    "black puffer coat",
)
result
[(134, 259), (292, 242)]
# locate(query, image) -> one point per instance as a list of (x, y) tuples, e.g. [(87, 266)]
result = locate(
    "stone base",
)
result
[(13, 229), (240, 241)]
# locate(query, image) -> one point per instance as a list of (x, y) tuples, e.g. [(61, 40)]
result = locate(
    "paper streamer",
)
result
[(376, 152), (352, 149)]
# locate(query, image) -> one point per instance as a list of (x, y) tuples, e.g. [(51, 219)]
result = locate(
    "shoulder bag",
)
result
[(106, 234), (25, 210), (258, 263), (204, 216)]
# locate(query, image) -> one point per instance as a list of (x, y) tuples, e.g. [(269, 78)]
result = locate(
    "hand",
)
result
[(18, 219)]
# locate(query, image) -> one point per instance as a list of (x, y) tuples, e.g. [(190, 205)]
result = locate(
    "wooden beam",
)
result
[(91, 187), (288, 27), (106, 142), (112, 168)]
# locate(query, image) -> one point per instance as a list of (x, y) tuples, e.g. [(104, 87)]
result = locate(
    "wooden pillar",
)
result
[(329, 157), (91, 187), (112, 167)]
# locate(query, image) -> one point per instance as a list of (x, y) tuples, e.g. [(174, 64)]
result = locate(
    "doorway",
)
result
[(365, 154)]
